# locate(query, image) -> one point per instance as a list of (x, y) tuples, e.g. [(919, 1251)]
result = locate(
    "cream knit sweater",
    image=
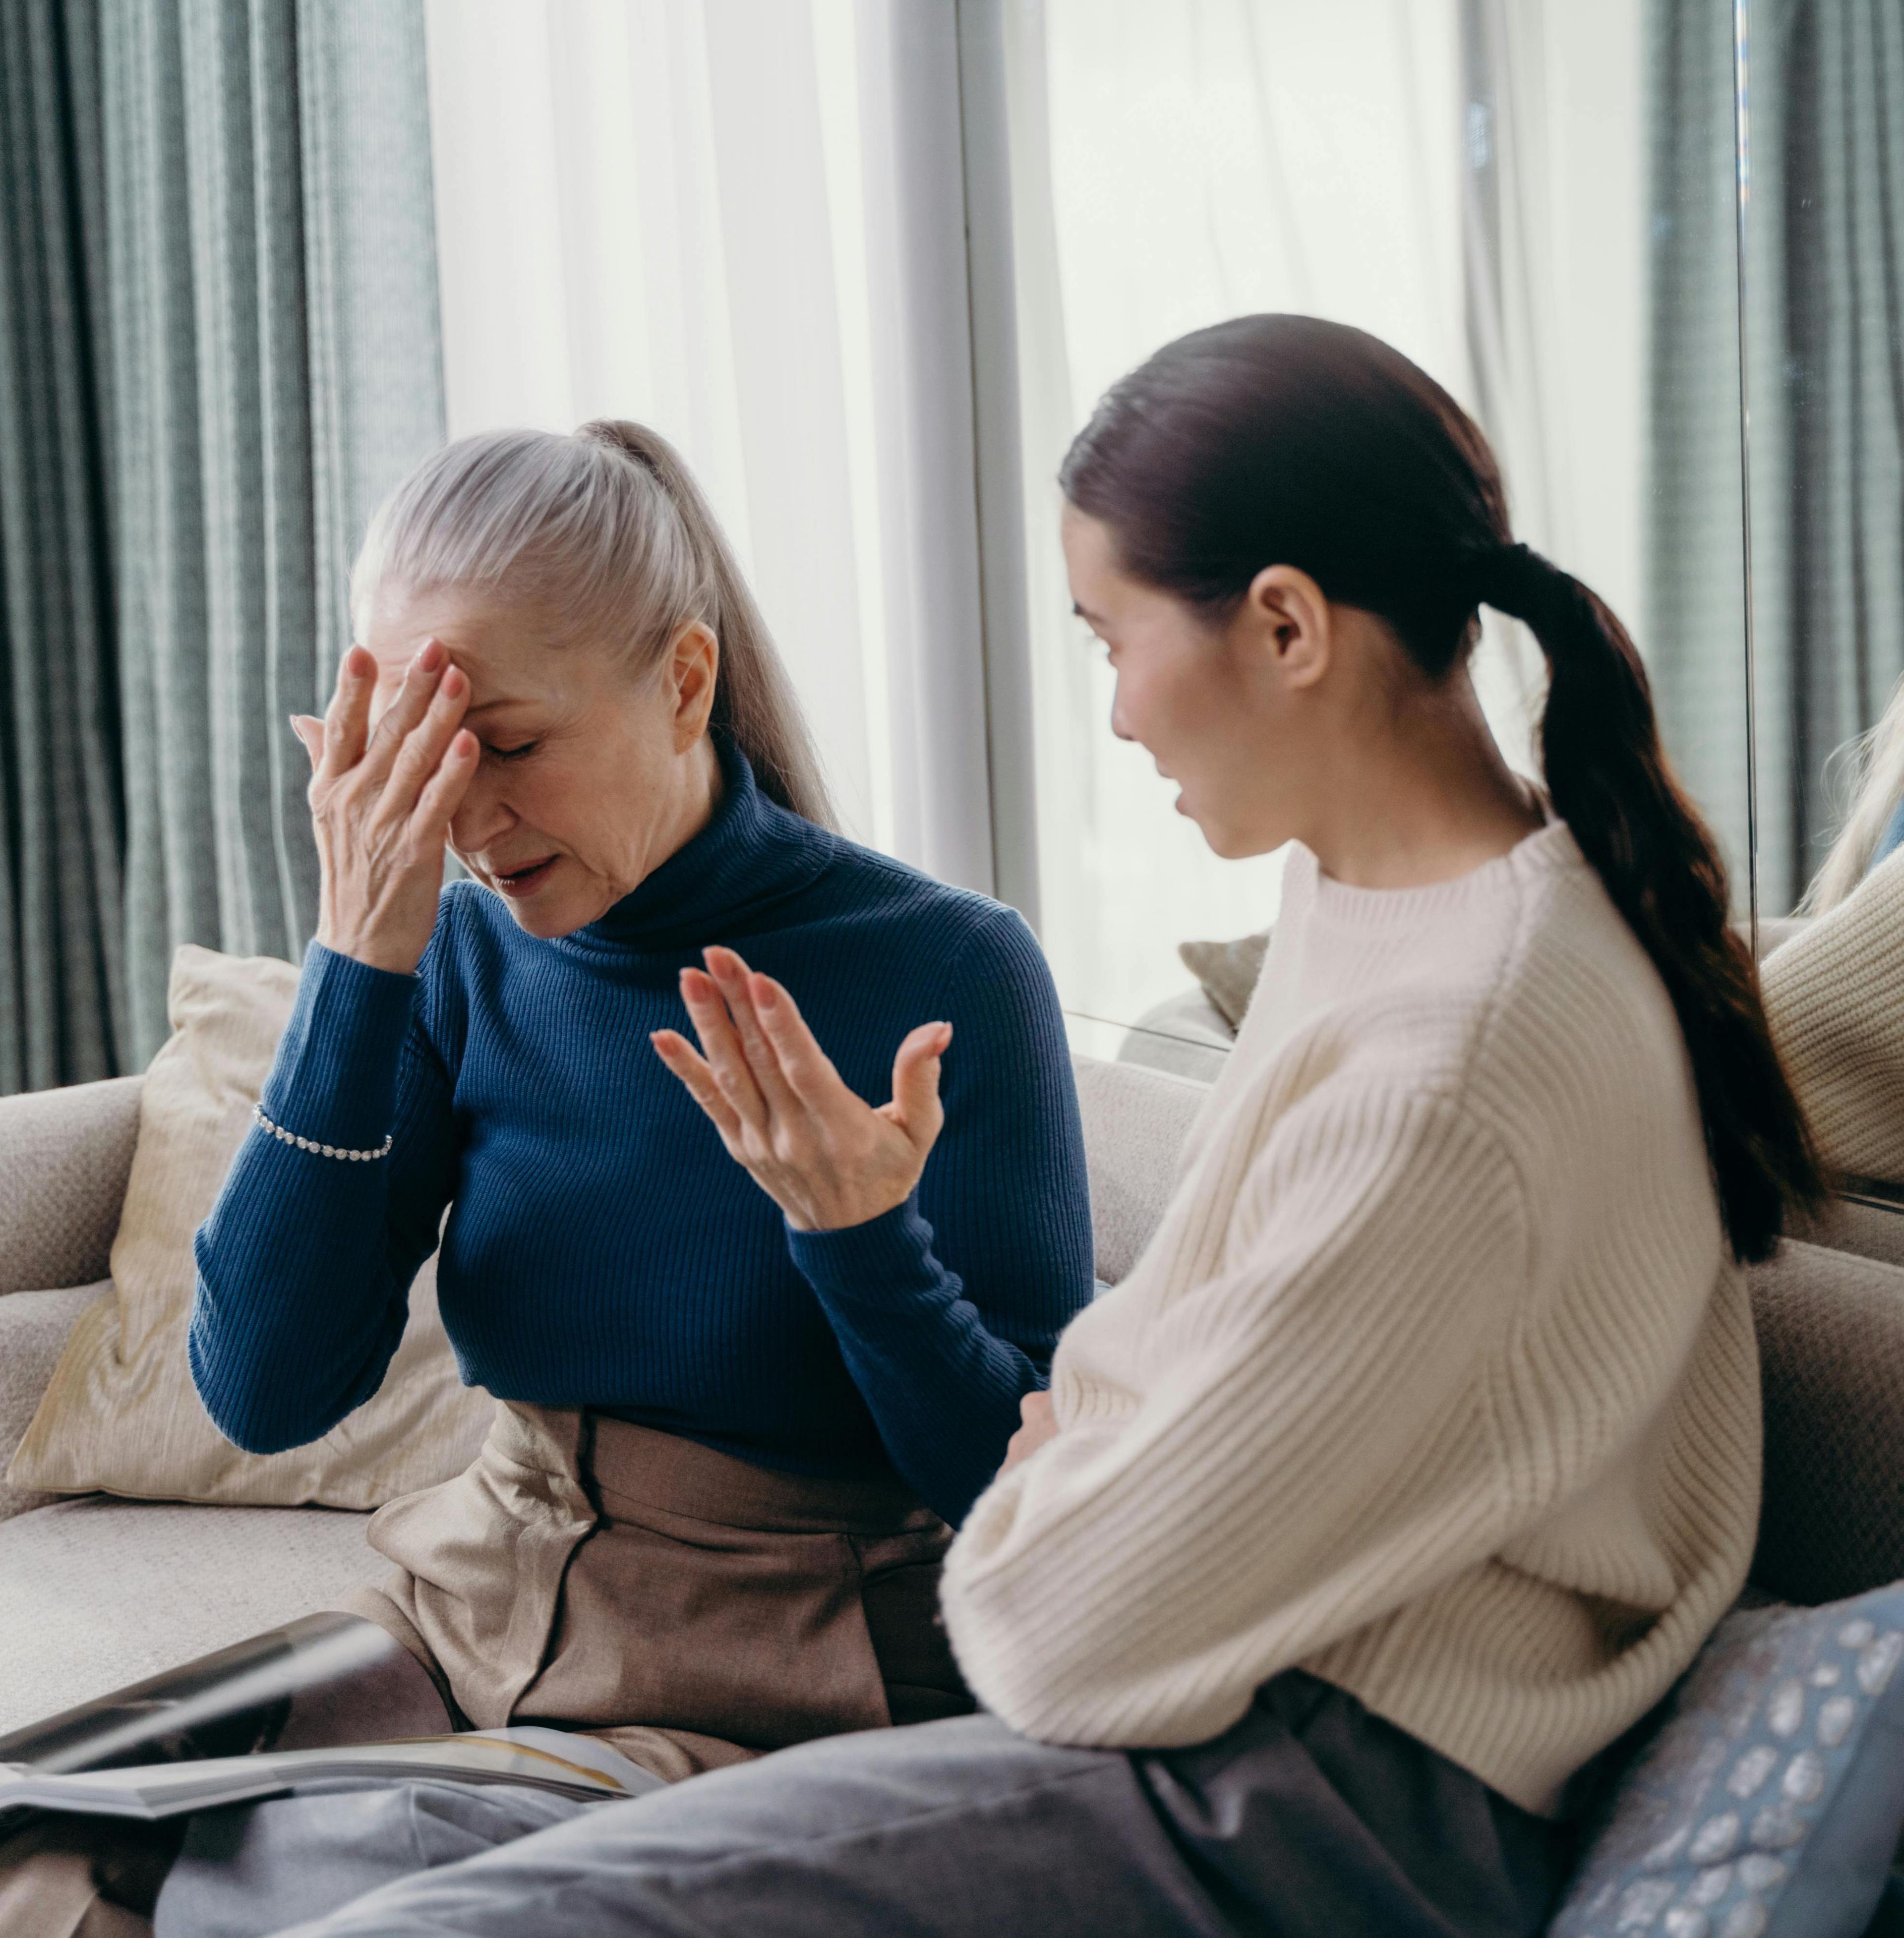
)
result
[(1835, 994), (1436, 1379)]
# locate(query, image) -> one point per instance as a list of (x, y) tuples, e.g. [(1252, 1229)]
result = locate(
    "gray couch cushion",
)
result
[(1135, 1120), (33, 1330), (1872, 1229), (1831, 1343), (95, 1593), (65, 1156)]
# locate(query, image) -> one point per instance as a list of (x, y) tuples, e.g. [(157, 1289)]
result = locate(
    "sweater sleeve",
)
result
[(948, 1307), (1316, 1394), (305, 1263)]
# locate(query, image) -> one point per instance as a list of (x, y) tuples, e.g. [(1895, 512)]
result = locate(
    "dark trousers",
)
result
[(1310, 1818)]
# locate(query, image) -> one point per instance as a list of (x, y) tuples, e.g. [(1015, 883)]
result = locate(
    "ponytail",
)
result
[(1286, 440), (1608, 779), (754, 699)]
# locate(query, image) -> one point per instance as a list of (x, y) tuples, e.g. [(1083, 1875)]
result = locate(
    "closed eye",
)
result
[(515, 753)]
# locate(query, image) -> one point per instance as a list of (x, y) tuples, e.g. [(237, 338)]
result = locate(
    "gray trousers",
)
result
[(1309, 1817)]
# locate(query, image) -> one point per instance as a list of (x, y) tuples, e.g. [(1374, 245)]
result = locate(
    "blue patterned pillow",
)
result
[(1768, 1801)]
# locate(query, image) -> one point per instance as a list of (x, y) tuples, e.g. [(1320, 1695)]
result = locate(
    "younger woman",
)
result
[(1420, 1452)]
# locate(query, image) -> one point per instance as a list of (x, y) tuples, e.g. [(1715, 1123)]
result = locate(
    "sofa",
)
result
[(96, 1592)]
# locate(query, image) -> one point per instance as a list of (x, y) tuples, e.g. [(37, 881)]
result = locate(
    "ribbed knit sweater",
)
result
[(1835, 1001), (1436, 1379), (601, 1248)]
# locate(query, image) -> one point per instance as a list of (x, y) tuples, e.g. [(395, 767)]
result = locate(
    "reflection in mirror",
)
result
[(1533, 200), (1824, 334)]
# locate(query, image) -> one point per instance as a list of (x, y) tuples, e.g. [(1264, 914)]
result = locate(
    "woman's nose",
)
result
[(1118, 724), (482, 817)]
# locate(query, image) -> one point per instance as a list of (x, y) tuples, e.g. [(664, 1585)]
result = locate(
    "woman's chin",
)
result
[(553, 908)]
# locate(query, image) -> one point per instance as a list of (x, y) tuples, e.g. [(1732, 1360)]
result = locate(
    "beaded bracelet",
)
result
[(284, 1136)]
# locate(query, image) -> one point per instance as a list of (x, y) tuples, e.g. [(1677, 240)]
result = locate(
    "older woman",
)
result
[(731, 1445)]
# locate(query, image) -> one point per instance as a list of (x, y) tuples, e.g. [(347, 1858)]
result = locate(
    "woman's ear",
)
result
[(1287, 619), (695, 665)]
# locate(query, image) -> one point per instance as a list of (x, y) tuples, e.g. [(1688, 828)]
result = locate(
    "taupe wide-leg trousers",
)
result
[(690, 1608), (694, 1609)]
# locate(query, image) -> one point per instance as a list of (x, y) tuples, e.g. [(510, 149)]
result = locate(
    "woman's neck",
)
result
[(1422, 796)]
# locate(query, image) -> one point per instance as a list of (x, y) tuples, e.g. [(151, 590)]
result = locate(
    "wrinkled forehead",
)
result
[(511, 651)]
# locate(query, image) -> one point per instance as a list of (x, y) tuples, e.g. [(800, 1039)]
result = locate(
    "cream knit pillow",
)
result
[(120, 1414)]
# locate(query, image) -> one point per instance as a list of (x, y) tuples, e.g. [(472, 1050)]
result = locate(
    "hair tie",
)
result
[(1511, 579)]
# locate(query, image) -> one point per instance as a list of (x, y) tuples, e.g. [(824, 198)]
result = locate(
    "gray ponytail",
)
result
[(608, 528)]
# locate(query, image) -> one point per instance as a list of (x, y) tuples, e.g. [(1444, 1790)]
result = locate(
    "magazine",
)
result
[(570, 1765), (320, 1680)]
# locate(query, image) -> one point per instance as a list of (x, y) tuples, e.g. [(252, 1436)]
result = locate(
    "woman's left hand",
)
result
[(823, 1154), (1038, 1425)]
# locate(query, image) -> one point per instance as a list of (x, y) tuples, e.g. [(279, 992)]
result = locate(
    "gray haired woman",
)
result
[(732, 1441)]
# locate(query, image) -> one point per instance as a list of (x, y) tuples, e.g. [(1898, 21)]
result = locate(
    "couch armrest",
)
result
[(34, 1328), (65, 1156)]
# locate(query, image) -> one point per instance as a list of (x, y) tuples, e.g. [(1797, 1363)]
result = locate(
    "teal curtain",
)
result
[(218, 321), (62, 1007), (1824, 359), (1825, 348), (1695, 593)]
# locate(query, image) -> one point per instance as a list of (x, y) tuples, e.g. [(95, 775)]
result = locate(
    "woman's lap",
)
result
[(1309, 1817), (247, 1871)]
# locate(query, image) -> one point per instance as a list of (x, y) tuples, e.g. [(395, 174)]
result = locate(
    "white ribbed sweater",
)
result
[(1436, 1379), (1835, 994)]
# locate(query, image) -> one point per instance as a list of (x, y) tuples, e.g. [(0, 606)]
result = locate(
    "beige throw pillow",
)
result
[(1228, 972), (120, 1414)]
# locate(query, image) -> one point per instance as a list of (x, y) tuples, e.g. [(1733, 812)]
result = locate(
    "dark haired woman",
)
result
[(1419, 1453)]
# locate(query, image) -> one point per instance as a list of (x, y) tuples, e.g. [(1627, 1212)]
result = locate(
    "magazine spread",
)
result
[(572, 1765), (321, 1680)]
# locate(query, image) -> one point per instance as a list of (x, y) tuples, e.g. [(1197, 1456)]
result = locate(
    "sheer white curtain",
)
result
[(1175, 165), (742, 221)]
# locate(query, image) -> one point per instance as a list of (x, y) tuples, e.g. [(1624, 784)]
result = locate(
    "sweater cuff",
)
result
[(869, 1264), (335, 1079)]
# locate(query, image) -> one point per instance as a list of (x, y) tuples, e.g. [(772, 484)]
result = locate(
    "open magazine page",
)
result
[(323, 1679), (571, 1765)]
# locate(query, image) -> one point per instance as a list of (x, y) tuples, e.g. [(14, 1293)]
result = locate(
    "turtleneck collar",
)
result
[(751, 855)]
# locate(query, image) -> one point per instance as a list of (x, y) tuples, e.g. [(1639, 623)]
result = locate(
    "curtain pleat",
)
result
[(219, 347), (1695, 563), (1824, 359), (1826, 252), (61, 1010), (275, 288)]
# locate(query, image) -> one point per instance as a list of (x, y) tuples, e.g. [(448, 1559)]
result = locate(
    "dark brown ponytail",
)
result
[(1285, 440)]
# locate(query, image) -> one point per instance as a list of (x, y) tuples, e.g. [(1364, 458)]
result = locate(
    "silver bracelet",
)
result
[(285, 1137)]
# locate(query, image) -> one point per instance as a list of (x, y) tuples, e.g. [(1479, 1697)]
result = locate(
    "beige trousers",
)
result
[(691, 1608), (688, 1608)]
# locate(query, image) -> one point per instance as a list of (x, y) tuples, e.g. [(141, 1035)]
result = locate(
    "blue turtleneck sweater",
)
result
[(601, 1248)]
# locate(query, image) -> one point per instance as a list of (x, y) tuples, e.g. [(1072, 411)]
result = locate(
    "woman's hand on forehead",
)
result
[(385, 783)]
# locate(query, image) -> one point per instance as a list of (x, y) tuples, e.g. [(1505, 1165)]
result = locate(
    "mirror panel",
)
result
[(1823, 176)]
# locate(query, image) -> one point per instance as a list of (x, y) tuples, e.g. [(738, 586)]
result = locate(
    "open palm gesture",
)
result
[(825, 1156)]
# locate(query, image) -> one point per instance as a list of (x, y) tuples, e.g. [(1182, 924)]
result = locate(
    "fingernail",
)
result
[(431, 657), (764, 993)]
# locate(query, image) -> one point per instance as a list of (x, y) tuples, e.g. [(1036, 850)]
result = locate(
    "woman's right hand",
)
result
[(381, 801)]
